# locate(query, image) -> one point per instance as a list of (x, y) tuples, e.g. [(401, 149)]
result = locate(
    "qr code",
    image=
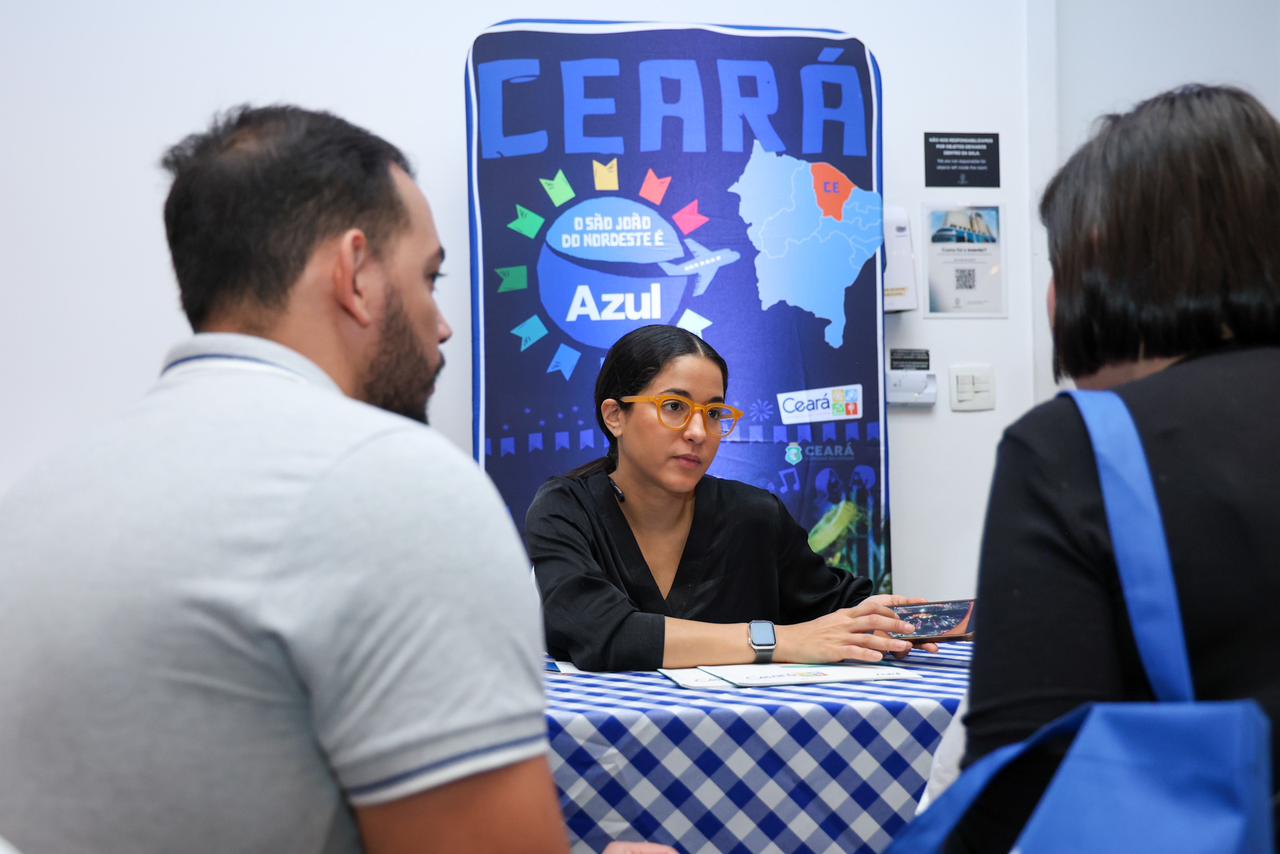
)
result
[(966, 279)]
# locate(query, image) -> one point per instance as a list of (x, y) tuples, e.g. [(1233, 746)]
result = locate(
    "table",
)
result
[(799, 768)]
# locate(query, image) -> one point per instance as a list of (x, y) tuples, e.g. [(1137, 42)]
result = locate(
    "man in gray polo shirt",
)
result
[(267, 610)]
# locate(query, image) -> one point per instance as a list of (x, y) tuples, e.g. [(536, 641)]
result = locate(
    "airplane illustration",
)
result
[(704, 264)]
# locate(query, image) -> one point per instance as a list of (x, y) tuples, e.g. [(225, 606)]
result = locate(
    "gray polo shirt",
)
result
[(246, 604)]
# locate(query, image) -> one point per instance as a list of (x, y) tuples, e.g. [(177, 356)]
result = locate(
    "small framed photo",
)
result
[(965, 262)]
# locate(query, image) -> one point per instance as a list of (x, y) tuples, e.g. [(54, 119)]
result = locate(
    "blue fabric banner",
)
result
[(724, 180)]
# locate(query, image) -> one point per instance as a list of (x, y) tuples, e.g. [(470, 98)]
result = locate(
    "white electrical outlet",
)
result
[(973, 387)]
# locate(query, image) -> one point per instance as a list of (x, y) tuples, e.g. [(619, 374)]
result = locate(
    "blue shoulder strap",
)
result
[(1146, 574), (1138, 540)]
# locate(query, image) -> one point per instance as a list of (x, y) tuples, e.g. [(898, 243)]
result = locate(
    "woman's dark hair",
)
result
[(253, 196), (630, 365), (1164, 232)]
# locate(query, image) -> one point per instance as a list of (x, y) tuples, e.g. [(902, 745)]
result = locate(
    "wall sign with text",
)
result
[(966, 269), (961, 159)]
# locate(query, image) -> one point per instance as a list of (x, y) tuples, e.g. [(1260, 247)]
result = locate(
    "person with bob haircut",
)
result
[(645, 561), (1164, 239)]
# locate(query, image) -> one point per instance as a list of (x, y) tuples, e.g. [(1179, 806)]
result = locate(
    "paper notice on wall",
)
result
[(966, 271), (961, 159)]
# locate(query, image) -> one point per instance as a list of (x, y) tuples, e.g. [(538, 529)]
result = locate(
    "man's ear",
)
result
[(611, 412), (351, 275)]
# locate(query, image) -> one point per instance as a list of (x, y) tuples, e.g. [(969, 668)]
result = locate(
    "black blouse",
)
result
[(745, 559), (1053, 629)]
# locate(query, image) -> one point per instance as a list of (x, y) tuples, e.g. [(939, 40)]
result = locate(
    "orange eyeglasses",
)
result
[(676, 412)]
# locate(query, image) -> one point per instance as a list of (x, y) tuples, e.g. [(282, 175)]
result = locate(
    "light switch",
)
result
[(973, 387)]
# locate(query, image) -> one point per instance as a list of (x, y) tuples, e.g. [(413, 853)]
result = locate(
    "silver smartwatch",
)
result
[(763, 638)]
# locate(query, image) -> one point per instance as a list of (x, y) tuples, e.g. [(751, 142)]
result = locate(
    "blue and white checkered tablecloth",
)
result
[(834, 767)]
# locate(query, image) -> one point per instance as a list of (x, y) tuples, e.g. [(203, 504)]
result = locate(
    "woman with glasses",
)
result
[(645, 561)]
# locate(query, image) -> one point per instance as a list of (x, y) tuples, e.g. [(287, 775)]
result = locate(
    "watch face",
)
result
[(762, 633)]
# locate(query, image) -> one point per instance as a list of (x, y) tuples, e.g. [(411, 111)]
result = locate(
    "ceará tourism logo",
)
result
[(837, 403)]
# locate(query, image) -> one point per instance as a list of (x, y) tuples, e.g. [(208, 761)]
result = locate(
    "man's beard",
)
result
[(400, 378)]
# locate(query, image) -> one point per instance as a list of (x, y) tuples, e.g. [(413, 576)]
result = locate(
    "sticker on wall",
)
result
[(723, 180)]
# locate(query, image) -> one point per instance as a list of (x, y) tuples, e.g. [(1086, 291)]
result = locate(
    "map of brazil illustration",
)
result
[(813, 229)]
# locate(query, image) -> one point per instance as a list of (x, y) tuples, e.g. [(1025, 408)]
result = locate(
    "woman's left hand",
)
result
[(890, 600)]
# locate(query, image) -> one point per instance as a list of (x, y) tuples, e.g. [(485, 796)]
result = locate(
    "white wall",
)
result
[(94, 92), (1111, 55), (941, 461)]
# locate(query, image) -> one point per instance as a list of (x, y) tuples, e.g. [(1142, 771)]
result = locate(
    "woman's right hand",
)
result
[(843, 634)]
